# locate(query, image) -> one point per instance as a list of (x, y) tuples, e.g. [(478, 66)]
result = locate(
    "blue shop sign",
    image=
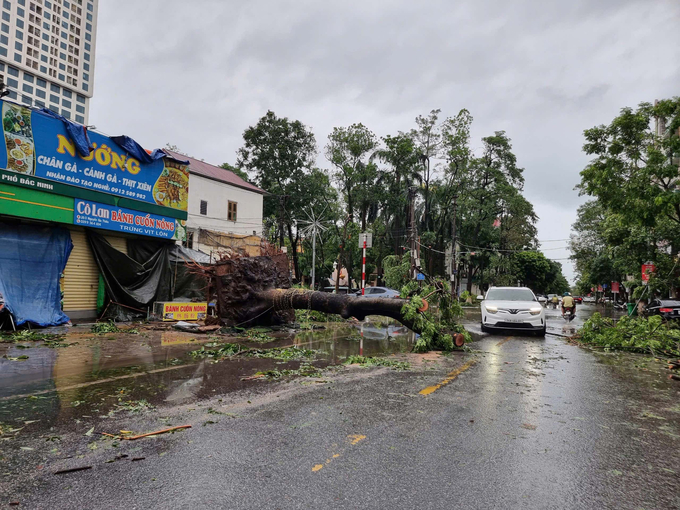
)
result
[(38, 145), (118, 219)]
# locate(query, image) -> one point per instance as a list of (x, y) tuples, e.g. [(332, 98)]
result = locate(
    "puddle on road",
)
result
[(99, 374)]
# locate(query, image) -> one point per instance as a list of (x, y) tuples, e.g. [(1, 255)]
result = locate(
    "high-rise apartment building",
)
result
[(47, 53)]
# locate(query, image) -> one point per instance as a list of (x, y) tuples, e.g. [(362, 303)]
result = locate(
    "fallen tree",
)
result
[(253, 291)]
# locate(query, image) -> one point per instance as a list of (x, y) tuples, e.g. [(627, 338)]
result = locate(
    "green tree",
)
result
[(634, 171), (280, 154), (349, 150), (242, 174)]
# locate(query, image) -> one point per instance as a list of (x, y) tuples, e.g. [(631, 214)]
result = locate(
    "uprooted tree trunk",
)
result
[(256, 291), (344, 305)]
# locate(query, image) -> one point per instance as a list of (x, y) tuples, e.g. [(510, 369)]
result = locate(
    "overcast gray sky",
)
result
[(196, 74)]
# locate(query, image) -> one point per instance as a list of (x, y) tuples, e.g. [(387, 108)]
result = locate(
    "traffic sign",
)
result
[(369, 239), (615, 287), (420, 277)]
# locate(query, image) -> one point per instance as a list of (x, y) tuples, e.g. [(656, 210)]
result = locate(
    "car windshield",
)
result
[(510, 295)]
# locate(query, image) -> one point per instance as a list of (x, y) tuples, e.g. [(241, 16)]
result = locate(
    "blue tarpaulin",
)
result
[(76, 132), (137, 151), (31, 262)]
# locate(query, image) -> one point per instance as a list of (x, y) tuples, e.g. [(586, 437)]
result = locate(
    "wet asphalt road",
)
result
[(521, 422)]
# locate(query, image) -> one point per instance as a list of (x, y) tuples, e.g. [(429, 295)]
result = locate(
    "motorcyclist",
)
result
[(555, 301), (568, 304)]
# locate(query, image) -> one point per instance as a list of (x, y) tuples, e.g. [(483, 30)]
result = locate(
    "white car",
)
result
[(512, 308)]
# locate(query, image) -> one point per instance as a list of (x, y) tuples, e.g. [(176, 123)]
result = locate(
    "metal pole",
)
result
[(363, 269), (313, 256), (412, 205), (453, 249)]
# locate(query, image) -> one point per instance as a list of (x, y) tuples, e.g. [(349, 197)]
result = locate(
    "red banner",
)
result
[(615, 287)]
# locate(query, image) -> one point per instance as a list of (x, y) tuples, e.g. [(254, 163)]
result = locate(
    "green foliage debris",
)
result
[(438, 322), (216, 351), (307, 316), (369, 361), (257, 336), (283, 353), (305, 370), (634, 334), (105, 327)]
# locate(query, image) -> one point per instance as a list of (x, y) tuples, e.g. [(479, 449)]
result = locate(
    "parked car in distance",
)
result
[(588, 299), (512, 308), (381, 292), (667, 308), (578, 300)]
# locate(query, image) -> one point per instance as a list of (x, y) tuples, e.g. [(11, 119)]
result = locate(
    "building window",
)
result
[(40, 93), (12, 83), (204, 207), (13, 71), (80, 99), (231, 211), (27, 88), (80, 119)]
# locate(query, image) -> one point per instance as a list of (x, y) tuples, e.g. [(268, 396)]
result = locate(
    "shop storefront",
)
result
[(55, 175)]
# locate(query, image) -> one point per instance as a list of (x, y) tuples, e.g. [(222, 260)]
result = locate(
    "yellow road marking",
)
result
[(7, 193), (503, 341), (449, 378), (353, 439)]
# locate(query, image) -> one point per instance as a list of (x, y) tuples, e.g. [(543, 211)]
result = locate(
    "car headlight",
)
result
[(491, 309), (535, 310)]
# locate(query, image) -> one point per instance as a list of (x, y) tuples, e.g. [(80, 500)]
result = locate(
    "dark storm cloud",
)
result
[(196, 74)]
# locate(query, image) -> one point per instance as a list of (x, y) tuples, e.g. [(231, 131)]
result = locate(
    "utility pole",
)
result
[(341, 255), (412, 229), (453, 249)]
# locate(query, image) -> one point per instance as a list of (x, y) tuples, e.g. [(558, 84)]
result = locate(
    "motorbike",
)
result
[(569, 315)]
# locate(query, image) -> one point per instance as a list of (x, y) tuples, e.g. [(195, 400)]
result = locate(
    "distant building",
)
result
[(225, 212), (47, 50)]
